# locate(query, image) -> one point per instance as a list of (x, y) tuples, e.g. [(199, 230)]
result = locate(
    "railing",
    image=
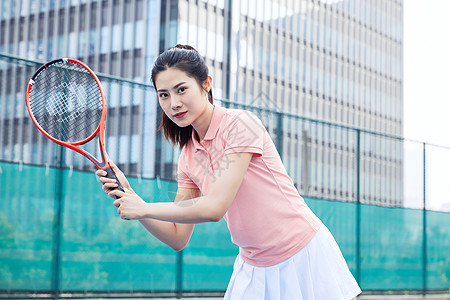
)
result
[(324, 159), (61, 237), (383, 197)]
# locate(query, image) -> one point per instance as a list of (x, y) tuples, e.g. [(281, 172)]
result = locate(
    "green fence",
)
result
[(60, 233)]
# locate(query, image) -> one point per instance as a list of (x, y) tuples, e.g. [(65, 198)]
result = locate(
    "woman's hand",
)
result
[(109, 184), (129, 205)]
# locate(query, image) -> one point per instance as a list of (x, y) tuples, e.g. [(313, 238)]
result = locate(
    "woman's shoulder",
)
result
[(234, 115), (241, 125)]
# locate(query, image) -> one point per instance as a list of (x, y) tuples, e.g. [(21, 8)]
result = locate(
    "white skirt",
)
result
[(316, 272)]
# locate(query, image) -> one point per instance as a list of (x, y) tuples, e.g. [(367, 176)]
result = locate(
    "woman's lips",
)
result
[(180, 115)]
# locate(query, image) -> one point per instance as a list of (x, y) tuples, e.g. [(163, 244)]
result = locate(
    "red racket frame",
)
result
[(101, 126)]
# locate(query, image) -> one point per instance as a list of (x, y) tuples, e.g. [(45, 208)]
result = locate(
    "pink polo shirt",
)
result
[(267, 219)]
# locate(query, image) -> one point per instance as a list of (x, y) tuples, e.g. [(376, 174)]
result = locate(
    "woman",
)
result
[(229, 168)]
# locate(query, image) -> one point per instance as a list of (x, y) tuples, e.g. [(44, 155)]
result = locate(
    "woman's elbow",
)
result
[(180, 239), (178, 246), (215, 218), (216, 206), (215, 214)]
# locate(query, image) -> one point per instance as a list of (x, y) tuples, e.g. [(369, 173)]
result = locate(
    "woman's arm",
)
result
[(174, 235), (210, 208)]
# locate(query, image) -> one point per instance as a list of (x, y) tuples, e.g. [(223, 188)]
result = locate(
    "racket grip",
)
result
[(110, 174)]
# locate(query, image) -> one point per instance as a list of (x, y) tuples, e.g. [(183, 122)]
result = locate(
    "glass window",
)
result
[(4, 10), (102, 68), (82, 44), (290, 18), (266, 53), (267, 10), (126, 70), (61, 46), (358, 10), (139, 34), (202, 40), (219, 47), (128, 12), (322, 28), (92, 42), (333, 79), (327, 75), (112, 90), (339, 81), (116, 38), (33, 6), (105, 40), (49, 47), (202, 17), (259, 11), (183, 32), (275, 13), (72, 17), (73, 44), (115, 65), (243, 53), (310, 77), (252, 8), (259, 54), (104, 14), (221, 4), (244, 7), (283, 15), (192, 24), (116, 13), (128, 36), (140, 9), (275, 64), (303, 25), (351, 87)]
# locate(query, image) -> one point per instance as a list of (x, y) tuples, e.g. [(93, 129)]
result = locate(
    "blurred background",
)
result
[(351, 91)]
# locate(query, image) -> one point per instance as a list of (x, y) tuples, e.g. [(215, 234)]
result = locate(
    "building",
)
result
[(337, 61)]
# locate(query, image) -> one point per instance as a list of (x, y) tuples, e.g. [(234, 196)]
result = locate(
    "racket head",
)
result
[(66, 102)]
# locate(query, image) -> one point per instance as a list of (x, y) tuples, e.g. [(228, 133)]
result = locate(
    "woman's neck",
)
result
[(202, 123)]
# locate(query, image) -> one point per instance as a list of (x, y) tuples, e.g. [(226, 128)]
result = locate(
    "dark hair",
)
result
[(184, 58)]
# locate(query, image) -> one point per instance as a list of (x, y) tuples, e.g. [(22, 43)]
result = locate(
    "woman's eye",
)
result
[(163, 95), (181, 89)]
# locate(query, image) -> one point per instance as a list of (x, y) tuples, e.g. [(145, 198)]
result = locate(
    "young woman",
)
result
[(229, 168)]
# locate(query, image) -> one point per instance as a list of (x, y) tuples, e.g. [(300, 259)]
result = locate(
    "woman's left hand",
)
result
[(129, 205)]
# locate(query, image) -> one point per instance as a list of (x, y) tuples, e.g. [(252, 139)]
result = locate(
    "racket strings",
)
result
[(60, 102), (66, 102)]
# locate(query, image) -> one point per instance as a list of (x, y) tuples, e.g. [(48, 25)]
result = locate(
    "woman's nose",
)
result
[(175, 102)]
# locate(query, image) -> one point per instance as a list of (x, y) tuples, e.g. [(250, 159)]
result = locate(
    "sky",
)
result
[(426, 71), (427, 101)]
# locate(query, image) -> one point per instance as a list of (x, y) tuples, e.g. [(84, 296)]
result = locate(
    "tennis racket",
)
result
[(66, 102)]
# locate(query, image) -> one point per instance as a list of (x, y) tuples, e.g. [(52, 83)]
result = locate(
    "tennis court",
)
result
[(48, 245), (370, 297), (60, 236)]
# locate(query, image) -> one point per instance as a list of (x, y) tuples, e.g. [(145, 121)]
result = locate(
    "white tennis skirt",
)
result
[(317, 272)]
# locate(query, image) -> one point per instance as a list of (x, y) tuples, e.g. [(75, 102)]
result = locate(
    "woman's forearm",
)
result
[(174, 235), (192, 211), (210, 208), (173, 222)]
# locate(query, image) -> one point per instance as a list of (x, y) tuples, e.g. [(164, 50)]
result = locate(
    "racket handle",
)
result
[(110, 174)]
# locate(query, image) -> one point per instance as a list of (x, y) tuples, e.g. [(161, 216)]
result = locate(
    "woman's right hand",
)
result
[(109, 184)]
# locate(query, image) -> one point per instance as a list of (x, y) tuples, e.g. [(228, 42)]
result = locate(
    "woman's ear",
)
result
[(207, 84)]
